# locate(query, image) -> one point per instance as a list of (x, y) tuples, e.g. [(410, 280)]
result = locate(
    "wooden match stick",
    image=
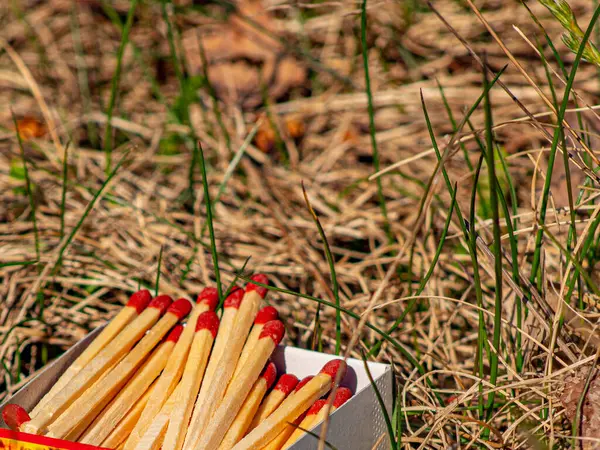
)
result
[(77, 412), (317, 413), (292, 407), (279, 441), (237, 305), (153, 438), (136, 304), (265, 315), (206, 301), (207, 328), (14, 416), (239, 388), (123, 429), (135, 388), (111, 353), (284, 387), (242, 420)]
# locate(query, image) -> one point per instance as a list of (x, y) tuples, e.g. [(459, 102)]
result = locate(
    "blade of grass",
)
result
[(425, 279), (481, 330), (331, 263), (555, 141), (115, 85), (66, 242), (397, 345), (36, 235), (63, 194), (497, 247), (384, 411), (371, 110), (209, 220), (157, 284), (18, 263)]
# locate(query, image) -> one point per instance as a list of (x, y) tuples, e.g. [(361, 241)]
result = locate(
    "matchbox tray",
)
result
[(358, 425)]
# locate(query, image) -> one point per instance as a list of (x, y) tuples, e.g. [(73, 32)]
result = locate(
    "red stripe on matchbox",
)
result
[(24, 438)]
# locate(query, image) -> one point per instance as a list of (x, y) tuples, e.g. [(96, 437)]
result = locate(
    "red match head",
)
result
[(286, 383), (316, 407), (342, 395), (162, 303), (14, 416), (175, 333), (209, 296), (180, 308), (260, 290), (333, 367), (273, 329), (265, 315), (140, 300), (269, 374), (208, 321), (234, 299), (303, 382)]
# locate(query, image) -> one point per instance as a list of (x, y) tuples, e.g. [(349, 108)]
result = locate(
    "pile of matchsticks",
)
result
[(147, 382)]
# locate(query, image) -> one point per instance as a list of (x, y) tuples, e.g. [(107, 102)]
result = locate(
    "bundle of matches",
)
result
[(148, 382)]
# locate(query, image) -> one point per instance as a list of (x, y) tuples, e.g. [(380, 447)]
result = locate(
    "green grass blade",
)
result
[(497, 245), (555, 141), (115, 85), (371, 109), (334, 283), (36, 235), (63, 194), (397, 345), (211, 229), (384, 411), (88, 208), (157, 284)]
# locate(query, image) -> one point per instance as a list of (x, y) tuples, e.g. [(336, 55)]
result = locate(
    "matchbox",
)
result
[(357, 425)]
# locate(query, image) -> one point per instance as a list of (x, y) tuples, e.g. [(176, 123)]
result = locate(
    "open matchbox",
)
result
[(358, 425)]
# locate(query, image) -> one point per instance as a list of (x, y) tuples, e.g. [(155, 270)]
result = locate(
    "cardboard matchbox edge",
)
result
[(357, 425)]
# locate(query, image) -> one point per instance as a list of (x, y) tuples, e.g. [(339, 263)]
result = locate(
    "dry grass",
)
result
[(56, 65)]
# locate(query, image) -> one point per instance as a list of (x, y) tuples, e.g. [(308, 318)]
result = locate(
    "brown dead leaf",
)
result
[(242, 57), (29, 128), (572, 391)]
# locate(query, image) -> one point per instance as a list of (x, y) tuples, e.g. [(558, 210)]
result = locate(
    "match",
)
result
[(317, 413), (80, 408), (239, 387), (242, 420), (118, 408), (265, 315), (284, 386), (230, 310), (206, 331), (136, 304), (210, 398), (119, 434), (206, 301), (110, 354), (293, 407)]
